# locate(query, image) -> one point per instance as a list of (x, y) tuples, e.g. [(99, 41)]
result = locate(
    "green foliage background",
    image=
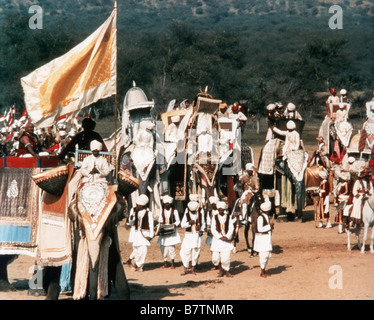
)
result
[(251, 51)]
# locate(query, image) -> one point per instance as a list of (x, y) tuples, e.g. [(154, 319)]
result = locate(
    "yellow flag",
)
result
[(82, 76)]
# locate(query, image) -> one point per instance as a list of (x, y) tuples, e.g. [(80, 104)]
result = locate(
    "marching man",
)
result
[(194, 223), (323, 208), (168, 216), (262, 243), (142, 232), (223, 231), (250, 184), (213, 211), (343, 192)]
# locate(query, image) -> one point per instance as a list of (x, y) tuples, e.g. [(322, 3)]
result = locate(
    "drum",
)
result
[(127, 183), (53, 180), (166, 229)]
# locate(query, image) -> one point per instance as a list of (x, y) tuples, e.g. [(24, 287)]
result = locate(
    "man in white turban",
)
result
[(223, 232), (292, 142), (171, 132), (262, 243), (194, 222), (169, 216), (95, 168), (291, 112), (323, 206), (213, 200), (142, 231)]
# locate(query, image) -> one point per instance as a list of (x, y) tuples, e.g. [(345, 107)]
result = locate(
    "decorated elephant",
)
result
[(336, 130), (194, 154), (43, 220), (281, 169), (137, 148)]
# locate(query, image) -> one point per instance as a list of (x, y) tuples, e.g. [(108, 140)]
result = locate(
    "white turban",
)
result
[(343, 92), (213, 199), (291, 125), (96, 145), (175, 119), (193, 205), (270, 107), (194, 197), (291, 107), (167, 199), (142, 200), (266, 206), (351, 159), (221, 205), (249, 166)]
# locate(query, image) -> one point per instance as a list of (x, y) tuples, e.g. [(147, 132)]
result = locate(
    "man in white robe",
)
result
[(262, 243), (167, 243), (362, 188), (292, 142), (194, 223), (95, 168), (223, 231), (291, 112), (213, 210), (142, 232)]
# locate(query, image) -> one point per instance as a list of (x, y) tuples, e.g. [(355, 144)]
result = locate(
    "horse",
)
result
[(368, 220), (252, 214)]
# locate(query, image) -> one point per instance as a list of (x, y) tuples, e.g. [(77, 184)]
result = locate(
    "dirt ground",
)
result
[(306, 263)]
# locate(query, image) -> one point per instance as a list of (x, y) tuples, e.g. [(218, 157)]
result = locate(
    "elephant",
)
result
[(283, 176)]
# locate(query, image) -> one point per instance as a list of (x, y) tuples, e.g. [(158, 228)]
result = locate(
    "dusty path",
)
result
[(305, 264)]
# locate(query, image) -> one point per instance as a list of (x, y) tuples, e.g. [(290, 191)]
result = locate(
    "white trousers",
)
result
[(139, 254), (168, 250), (189, 255), (223, 257), (264, 258)]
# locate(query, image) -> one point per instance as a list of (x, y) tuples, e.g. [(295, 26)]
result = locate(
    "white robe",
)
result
[(172, 239), (292, 140), (192, 239), (101, 164), (217, 244), (358, 192), (138, 237), (263, 240)]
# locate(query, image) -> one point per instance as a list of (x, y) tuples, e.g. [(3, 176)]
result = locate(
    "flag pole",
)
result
[(115, 110)]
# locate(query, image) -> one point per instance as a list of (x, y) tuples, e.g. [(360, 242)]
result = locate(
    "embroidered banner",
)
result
[(19, 215)]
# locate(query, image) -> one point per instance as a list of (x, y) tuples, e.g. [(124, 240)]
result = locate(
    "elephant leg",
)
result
[(116, 272), (93, 280), (299, 211), (4, 281), (51, 282), (121, 284)]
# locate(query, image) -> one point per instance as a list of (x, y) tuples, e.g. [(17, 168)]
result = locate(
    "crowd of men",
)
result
[(20, 138), (214, 218)]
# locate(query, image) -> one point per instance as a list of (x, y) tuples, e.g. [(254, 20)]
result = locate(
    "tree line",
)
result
[(180, 61)]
